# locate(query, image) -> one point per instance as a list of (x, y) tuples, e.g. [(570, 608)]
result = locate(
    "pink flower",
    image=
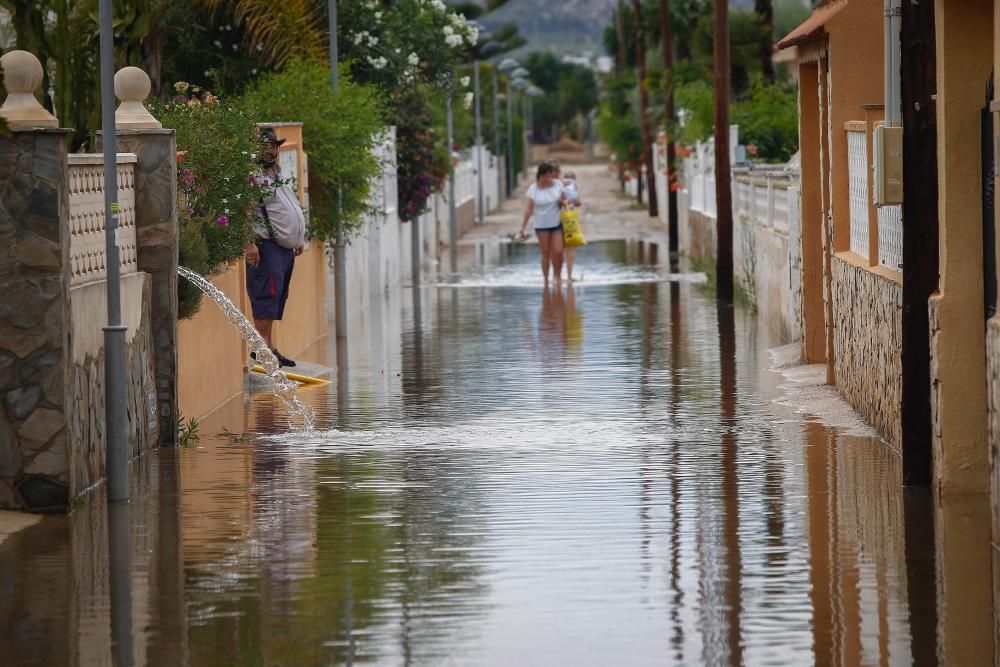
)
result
[(752, 149), (187, 177), (190, 210), (222, 220)]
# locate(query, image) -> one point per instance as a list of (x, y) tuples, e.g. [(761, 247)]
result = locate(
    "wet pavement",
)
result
[(610, 473)]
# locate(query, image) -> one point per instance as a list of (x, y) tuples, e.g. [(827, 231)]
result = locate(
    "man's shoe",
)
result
[(283, 360)]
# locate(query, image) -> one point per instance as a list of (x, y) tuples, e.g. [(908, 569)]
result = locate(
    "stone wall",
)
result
[(51, 339), (993, 396), (34, 248), (156, 233), (85, 391), (867, 314)]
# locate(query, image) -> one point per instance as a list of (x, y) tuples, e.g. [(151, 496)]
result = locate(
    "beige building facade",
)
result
[(854, 298)]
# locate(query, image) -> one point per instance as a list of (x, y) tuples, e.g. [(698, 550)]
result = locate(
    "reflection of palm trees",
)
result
[(729, 464), (921, 579), (437, 537), (674, 470)]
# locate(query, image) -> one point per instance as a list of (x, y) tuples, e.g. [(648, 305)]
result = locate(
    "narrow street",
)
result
[(617, 472)]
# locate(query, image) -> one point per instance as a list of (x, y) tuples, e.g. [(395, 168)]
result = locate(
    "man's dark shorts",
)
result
[(267, 283)]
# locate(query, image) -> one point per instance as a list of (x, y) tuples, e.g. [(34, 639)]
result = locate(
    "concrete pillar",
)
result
[(157, 238), (958, 345), (157, 230), (34, 317)]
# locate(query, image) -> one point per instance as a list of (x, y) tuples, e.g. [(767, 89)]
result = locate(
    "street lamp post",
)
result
[(510, 138), (507, 66), (452, 212), (339, 248), (480, 209), (521, 83), (496, 128), (115, 399)]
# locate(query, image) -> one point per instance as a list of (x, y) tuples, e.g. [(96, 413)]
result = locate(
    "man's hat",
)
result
[(268, 135)]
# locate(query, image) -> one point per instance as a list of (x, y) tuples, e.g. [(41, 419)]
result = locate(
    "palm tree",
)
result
[(647, 140), (765, 15), (281, 31)]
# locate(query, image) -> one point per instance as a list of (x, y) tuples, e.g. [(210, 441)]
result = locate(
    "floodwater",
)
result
[(604, 474)]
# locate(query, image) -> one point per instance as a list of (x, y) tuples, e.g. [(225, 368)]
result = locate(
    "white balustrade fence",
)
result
[(768, 195), (890, 237), (88, 256), (857, 174)]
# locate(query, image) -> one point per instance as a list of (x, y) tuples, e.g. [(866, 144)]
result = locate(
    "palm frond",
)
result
[(280, 31)]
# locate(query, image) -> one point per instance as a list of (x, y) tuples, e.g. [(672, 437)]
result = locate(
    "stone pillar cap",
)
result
[(22, 75), (132, 86)]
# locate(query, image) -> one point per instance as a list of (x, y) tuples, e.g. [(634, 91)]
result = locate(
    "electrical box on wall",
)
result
[(888, 177)]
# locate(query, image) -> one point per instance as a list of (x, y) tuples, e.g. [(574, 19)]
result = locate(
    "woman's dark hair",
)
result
[(544, 169)]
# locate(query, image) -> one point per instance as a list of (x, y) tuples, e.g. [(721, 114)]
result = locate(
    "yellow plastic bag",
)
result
[(572, 232)]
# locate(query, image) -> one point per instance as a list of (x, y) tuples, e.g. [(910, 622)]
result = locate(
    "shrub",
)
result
[(216, 194), (340, 135), (769, 119)]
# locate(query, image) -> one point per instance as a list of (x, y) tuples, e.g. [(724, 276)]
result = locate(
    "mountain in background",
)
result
[(569, 26)]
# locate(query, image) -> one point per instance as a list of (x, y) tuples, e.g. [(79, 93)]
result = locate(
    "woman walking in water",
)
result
[(545, 198)]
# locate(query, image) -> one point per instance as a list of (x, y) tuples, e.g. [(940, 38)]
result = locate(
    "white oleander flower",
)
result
[(464, 81), (453, 40), (467, 100), (413, 59), (448, 31), (438, 6)]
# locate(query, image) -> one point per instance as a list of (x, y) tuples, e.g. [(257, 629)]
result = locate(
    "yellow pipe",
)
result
[(302, 379)]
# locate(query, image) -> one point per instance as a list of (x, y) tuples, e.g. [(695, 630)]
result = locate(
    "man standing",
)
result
[(280, 239)]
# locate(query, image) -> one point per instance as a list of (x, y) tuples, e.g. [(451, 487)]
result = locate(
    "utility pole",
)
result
[(920, 232), (723, 189), (667, 42), (647, 140), (115, 398)]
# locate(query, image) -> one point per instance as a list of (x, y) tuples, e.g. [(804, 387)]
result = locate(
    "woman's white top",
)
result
[(546, 204)]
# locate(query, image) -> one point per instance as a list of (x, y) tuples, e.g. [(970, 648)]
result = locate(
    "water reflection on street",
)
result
[(505, 475)]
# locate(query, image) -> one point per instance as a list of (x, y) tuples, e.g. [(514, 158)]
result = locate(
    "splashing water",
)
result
[(284, 389)]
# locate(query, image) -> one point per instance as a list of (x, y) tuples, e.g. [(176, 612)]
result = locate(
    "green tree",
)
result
[(339, 131), (571, 91)]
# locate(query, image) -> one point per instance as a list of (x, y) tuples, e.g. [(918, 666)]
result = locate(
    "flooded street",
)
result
[(610, 473)]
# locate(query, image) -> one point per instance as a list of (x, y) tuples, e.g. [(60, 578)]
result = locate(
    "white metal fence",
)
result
[(857, 174), (87, 250), (890, 237)]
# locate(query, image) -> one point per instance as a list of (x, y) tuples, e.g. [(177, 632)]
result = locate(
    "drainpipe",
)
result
[(893, 103)]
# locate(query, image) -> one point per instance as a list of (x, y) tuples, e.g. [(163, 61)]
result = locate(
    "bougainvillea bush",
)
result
[(216, 188)]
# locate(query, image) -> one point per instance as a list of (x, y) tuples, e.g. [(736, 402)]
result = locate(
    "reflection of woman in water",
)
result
[(552, 324), (573, 323), (545, 198), (560, 324)]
